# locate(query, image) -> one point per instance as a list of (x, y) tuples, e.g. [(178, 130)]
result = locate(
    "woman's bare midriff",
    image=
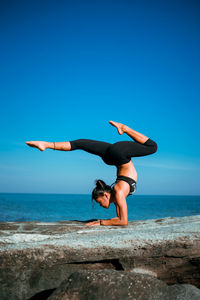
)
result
[(127, 170)]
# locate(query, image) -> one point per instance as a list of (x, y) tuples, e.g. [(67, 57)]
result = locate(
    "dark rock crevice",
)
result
[(44, 295), (100, 264)]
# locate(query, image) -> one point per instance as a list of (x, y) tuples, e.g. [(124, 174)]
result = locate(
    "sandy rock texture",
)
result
[(36, 257)]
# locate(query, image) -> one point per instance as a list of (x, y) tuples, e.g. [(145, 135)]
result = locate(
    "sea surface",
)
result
[(62, 207)]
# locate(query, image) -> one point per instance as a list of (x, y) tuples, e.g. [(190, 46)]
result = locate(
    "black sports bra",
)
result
[(129, 180)]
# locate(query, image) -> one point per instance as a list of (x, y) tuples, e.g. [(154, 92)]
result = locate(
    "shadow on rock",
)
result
[(84, 222), (42, 295)]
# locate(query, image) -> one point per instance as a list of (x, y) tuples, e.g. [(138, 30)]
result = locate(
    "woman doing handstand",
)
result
[(118, 154)]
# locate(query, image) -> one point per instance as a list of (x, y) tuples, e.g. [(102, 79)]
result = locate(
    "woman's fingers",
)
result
[(90, 223), (94, 223)]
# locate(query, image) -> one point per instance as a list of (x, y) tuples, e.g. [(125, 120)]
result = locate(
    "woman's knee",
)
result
[(152, 146), (155, 147)]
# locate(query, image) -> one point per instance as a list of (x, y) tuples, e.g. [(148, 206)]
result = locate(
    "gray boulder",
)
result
[(117, 285), (184, 292)]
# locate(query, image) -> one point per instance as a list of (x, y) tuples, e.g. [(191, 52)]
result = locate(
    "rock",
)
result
[(116, 285), (184, 292), (110, 284), (36, 257)]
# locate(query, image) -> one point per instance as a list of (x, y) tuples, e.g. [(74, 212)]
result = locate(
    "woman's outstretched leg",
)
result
[(62, 146), (91, 146), (136, 136)]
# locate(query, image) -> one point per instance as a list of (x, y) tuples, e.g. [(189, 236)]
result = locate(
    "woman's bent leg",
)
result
[(126, 149), (91, 146), (136, 149), (149, 146), (136, 136)]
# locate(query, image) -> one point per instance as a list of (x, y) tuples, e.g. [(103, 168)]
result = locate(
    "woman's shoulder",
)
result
[(121, 187)]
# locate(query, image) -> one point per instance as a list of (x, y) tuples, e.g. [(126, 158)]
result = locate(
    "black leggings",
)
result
[(115, 154)]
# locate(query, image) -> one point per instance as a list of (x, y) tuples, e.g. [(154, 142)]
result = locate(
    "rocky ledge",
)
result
[(151, 259)]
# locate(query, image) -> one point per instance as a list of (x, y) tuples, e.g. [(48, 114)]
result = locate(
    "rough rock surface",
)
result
[(116, 285), (36, 257)]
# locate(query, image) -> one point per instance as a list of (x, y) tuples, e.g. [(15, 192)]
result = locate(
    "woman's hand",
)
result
[(94, 223)]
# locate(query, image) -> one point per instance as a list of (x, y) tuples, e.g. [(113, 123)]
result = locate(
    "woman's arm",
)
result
[(117, 212), (121, 207), (94, 223)]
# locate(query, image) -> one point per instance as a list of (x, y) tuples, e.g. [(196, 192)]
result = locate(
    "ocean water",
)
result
[(62, 207)]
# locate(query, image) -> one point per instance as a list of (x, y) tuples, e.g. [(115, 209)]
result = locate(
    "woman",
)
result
[(118, 154)]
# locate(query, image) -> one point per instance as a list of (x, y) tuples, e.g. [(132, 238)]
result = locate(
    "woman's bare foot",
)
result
[(37, 144), (120, 127)]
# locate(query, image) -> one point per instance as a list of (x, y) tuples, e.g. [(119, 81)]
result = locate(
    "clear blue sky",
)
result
[(67, 67)]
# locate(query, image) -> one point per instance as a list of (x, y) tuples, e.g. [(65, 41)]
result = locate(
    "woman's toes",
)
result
[(119, 126), (31, 144), (37, 144)]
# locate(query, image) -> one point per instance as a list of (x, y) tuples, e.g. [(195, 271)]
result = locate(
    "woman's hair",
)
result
[(100, 188)]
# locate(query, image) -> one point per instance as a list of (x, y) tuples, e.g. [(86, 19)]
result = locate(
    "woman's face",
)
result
[(104, 200)]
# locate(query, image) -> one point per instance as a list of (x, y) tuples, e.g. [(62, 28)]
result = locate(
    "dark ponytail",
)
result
[(100, 188)]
